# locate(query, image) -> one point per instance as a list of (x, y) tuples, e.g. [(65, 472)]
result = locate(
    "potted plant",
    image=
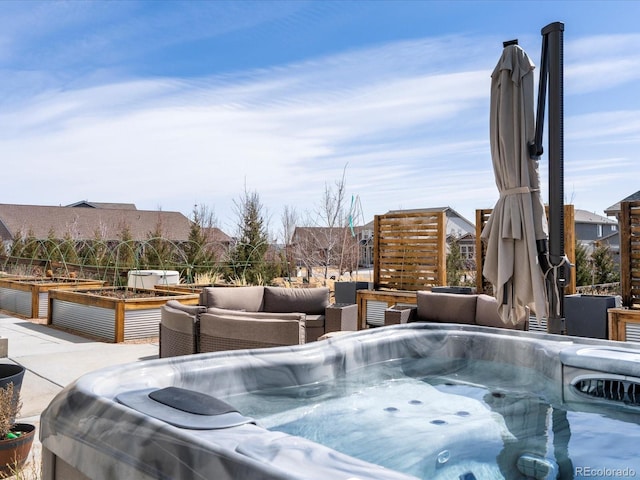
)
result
[(15, 438)]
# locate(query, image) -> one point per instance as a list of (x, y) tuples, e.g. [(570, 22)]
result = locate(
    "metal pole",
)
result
[(554, 34)]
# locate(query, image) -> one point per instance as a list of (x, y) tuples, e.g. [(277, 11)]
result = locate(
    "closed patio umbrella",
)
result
[(518, 219)]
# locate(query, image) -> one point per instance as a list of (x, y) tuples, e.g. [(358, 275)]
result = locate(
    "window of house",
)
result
[(599, 230), (467, 251)]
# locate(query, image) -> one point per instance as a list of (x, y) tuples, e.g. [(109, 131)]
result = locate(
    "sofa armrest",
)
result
[(178, 329), (398, 314), (341, 317)]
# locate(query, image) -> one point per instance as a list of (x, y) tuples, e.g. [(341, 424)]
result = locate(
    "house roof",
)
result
[(468, 227), (117, 206), (584, 216), (214, 234), (615, 208), (82, 223)]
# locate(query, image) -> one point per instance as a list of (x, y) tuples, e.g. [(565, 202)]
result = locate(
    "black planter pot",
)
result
[(10, 373), (586, 315), (346, 291)]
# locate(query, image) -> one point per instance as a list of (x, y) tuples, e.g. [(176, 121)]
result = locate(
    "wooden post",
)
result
[(376, 252), (442, 248), (625, 253), (119, 322), (570, 246)]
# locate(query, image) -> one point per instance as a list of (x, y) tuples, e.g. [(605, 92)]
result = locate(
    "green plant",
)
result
[(455, 263), (247, 259), (604, 267)]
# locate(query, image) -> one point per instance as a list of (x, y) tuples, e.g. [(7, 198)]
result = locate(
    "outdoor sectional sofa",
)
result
[(472, 309), (232, 318)]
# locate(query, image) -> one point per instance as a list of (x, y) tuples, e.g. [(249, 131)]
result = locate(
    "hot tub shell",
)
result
[(87, 433)]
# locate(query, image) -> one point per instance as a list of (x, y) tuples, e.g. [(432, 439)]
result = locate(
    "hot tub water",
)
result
[(482, 417)]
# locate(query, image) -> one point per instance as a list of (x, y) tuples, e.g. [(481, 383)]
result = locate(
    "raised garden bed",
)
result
[(189, 287), (112, 314), (28, 296)]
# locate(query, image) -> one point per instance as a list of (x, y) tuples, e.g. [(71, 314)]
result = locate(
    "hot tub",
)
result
[(408, 401)]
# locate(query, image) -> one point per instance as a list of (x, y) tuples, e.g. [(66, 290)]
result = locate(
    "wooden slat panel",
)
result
[(620, 320), (482, 285), (482, 217), (630, 253), (409, 250)]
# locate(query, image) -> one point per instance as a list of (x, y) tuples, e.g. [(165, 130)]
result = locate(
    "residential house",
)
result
[(83, 220), (614, 210), (592, 229)]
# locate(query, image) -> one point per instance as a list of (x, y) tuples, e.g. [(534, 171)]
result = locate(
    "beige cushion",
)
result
[(306, 300), (487, 312), (233, 298), (256, 315), (314, 321), (446, 307)]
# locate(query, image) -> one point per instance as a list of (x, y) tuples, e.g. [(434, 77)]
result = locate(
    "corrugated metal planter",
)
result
[(28, 296), (112, 314)]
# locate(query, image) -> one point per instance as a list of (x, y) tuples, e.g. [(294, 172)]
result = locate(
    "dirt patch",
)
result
[(123, 294)]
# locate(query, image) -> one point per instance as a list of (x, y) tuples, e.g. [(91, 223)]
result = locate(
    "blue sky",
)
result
[(171, 104)]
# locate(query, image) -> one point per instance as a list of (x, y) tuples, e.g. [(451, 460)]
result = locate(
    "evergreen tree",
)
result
[(158, 251), (17, 246), (196, 253), (125, 257), (32, 247), (583, 266), (93, 252), (52, 247), (247, 259), (455, 263), (604, 267), (68, 249)]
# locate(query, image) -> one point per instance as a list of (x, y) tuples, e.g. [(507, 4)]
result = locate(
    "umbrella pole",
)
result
[(559, 266), (553, 260)]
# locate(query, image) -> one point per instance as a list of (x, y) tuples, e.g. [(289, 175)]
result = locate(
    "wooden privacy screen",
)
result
[(482, 216), (409, 250), (630, 253)]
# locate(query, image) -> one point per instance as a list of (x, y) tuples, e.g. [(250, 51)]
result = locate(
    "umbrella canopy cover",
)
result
[(518, 218)]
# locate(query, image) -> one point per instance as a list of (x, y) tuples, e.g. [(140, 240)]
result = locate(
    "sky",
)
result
[(173, 104)]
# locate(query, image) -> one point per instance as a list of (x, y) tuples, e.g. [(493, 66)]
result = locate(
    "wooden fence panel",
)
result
[(482, 284), (630, 253), (409, 250), (482, 217)]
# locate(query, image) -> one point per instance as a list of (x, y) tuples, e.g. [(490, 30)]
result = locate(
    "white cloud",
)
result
[(409, 119)]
